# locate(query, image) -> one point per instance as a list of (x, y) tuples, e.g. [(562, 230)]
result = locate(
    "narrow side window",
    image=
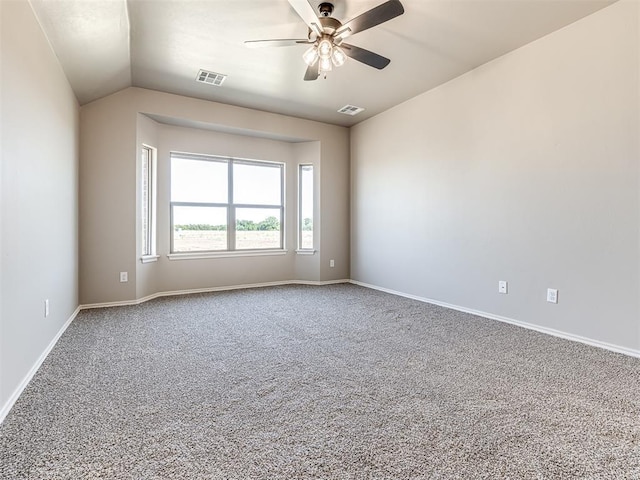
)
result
[(305, 207), (148, 203)]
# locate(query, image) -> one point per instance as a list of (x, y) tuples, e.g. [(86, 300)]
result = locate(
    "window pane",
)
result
[(199, 181), (146, 201), (257, 184), (197, 229), (258, 228), (306, 207)]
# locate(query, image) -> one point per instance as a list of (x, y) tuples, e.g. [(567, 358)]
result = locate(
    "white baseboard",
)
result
[(208, 290), (549, 331), (27, 378)]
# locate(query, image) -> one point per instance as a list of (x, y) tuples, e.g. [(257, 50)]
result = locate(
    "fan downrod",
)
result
[(326, 9)]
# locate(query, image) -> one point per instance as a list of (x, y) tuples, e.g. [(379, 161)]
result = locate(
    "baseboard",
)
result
[(209, 290), (6, 408), (549, 331)]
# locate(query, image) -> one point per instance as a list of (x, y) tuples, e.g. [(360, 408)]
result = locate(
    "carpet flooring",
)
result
[(335, 382)]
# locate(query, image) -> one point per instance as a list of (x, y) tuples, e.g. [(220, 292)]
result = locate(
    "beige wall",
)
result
[(176, 275), (39, 157), (112, 132), (526, 170)]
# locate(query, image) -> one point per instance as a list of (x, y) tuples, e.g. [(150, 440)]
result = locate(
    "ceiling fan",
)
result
[(326, 36)]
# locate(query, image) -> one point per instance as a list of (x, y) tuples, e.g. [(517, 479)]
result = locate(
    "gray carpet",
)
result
[(336, 382)]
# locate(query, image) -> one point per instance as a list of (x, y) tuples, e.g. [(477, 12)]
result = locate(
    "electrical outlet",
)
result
[(332, 263), (552, 295), (124, 277), (46, 308), (502, 286)]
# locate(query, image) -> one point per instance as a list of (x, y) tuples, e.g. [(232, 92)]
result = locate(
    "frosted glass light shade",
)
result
[(310, 56), (338, 56), (325, 49), (325, 65)]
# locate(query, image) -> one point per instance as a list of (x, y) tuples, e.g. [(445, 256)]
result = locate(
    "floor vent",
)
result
[(350, 110), (210, 78)]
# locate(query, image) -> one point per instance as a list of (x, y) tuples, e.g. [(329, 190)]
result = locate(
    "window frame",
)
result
[(230, 206), (149, 246), (301, 249)]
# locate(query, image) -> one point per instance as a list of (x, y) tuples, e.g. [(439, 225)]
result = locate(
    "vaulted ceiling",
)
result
[(108, 45)]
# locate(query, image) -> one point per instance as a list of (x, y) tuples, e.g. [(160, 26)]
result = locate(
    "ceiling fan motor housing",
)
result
[(330, 25)]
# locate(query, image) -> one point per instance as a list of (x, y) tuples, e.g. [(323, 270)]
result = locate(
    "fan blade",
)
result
[(307, 14), (313, 72), (377, 15), (284, 42), (365, 56)]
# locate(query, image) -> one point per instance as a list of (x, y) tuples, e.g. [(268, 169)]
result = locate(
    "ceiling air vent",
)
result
[(210, 78), (350, 110)]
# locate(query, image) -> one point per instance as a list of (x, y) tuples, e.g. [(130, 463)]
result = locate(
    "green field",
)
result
[(208, 240)]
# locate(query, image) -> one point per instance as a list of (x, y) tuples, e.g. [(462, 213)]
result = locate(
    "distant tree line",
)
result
[(200, 226), (268, 224)]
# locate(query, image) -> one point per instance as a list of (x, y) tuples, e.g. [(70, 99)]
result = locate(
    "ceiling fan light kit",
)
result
[(326, 35), (327, 54)]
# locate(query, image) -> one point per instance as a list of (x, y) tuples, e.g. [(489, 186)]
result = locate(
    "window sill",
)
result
[(240, 253), (149, 258), (305, 252)]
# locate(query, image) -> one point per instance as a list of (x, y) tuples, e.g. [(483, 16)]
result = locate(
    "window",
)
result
[(222, 204), (305, 207), (148, 202)]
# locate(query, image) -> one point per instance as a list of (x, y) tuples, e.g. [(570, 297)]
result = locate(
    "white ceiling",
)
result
[(107, 45)]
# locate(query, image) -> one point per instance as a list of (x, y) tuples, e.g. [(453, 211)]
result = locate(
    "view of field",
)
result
[(206, 240)]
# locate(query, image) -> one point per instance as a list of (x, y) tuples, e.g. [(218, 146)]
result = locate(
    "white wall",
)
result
[(112, 132), (39, 154), (526, 170)]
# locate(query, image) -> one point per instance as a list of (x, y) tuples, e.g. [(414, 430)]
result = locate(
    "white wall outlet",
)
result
[(46, 308), (552, 295), (124, 277), (332, 263), (502, 286)]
